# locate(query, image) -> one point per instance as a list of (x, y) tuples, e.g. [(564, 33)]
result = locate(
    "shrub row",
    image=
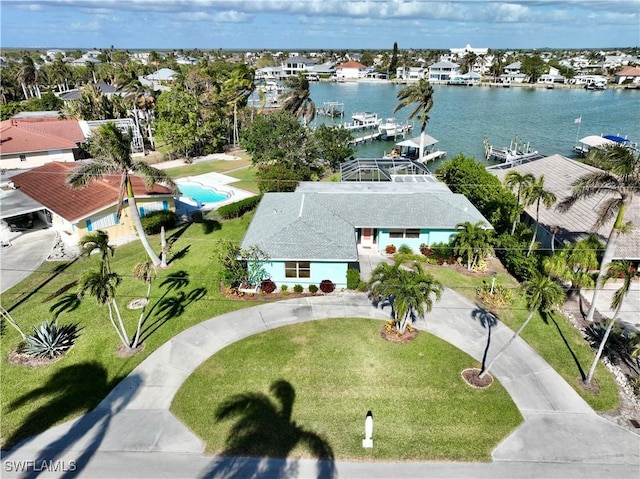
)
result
[(152, 222), (237, 209), (268, 287)]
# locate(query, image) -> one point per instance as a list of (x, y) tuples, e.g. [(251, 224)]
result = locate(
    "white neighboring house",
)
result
[(512, 74), (410, 73), (552, 77), (460, 52), (296, 64), (443, 71), (589, 80), (159, 80), (351, 71)]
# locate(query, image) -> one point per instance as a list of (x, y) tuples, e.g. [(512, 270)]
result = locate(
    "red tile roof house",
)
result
[(32, 142), (628, 74), (74, 212), (351, 71)]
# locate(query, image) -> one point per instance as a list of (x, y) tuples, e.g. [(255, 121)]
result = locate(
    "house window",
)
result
[(102, 222), (23, 157), (297, 269), (412, 233)]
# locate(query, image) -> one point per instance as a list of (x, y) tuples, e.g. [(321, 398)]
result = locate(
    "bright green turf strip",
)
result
[(339, 369)]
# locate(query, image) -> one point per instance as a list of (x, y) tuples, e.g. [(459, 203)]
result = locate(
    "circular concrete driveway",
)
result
[(132, 433)]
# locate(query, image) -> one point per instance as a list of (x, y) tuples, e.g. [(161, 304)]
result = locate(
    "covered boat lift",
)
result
[(410, 148)]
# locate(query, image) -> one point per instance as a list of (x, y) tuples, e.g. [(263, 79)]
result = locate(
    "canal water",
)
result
[(462, 116)]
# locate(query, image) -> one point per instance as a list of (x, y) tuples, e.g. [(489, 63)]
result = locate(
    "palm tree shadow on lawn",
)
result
[(264, 435), (71, 390), (168, 307)]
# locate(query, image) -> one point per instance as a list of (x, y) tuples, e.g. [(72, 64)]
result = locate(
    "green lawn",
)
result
[(339, 369), (555, 338), (241, 169), (35, 399)]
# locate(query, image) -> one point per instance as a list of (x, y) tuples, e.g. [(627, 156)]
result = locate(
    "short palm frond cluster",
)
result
[(409, 291)]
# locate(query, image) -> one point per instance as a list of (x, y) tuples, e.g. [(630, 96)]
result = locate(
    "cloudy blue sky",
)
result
[(319, 24)]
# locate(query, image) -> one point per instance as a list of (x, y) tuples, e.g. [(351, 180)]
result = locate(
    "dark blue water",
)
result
[(462, 116)]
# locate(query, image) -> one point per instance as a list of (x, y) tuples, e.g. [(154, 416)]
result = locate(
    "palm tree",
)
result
[(616, 269), (27, 74), (537, 194), (102, 286), (146, 273), (411, 291), (618, 183), (421, 94), (543, 294), (298, 100), (472, 241), (111, 150), (98, 240), (240, 85), (520, 182), (574, 262)]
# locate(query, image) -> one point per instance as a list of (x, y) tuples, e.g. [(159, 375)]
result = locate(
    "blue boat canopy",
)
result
[(617, 139)]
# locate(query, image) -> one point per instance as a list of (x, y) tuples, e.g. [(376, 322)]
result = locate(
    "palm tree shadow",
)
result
[(169, 307), (546, 317), (487, 320), (88, 431), (264, 435)]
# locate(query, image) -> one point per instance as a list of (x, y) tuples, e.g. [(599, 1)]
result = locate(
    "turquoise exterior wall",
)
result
[(336, 272), (428, 237)]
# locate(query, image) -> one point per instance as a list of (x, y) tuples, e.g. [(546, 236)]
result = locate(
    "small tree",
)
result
[(411, 291), (472, 241)]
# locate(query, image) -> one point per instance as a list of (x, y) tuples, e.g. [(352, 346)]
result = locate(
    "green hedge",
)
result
[(237, 209), (152, 222)]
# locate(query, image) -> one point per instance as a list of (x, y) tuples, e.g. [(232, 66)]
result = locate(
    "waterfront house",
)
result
[(322, 229), (410, 73), (443, 71), (628, 75), (351, 71), (74, 212), (552, 77), (32, 142), (296, 64), (577, 223)]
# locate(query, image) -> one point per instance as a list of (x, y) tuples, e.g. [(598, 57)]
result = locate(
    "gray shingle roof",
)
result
[(559, 172), (321, 226)]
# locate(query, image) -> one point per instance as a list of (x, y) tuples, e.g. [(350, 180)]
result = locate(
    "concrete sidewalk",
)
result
[(133, 434)]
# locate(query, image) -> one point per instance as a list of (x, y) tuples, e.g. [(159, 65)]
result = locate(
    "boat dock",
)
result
[(363, 139), (332, 109)]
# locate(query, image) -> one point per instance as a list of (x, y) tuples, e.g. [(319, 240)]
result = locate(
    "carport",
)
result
[(18, 213)]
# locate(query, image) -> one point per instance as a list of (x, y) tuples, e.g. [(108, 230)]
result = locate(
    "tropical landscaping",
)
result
[(79, 380), (112, 307)]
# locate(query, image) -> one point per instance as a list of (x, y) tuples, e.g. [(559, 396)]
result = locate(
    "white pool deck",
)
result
[(219, 182)]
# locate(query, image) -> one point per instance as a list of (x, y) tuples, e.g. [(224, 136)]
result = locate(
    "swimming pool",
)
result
[(201, 193)]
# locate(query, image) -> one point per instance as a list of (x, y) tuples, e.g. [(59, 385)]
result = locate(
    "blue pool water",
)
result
[(200, 193)]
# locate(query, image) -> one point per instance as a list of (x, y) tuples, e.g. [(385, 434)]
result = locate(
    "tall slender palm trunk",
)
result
[(609, 251), (507, 344), (137, 222)]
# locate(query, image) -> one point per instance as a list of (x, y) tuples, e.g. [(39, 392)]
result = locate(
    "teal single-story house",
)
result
[(318, 231)]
